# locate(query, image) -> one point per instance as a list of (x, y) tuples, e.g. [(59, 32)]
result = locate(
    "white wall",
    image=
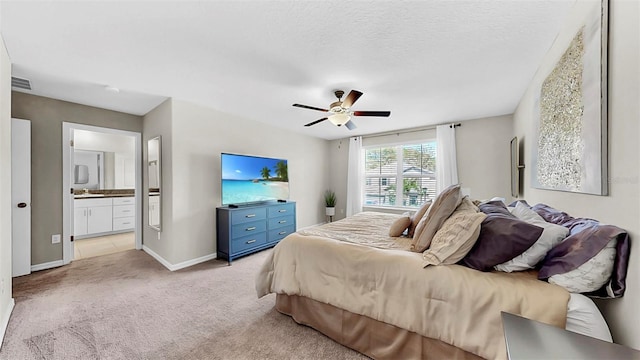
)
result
[(191, 181), (6, 301), (622, 206)]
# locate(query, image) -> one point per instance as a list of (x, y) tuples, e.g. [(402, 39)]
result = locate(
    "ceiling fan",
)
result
[(341, 112)]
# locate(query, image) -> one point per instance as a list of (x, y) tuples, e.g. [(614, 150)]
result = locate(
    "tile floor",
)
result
[(103, 245)]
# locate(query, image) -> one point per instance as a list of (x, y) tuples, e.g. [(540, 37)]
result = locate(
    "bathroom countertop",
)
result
[(100, 196)]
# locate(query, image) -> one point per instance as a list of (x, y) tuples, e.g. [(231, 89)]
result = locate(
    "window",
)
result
[(411, 165)]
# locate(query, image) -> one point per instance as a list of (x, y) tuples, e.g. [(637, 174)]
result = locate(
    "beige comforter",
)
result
[(457, 305)]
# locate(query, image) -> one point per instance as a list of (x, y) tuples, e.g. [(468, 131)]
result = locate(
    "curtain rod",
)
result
[(408, 131)]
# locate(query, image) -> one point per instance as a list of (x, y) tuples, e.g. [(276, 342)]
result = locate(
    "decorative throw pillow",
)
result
[(456, 236), (591, 275), (417, 216), (502, 237), (551, 236), (494, 207), (443, 206), (578, 250), (399, 226)]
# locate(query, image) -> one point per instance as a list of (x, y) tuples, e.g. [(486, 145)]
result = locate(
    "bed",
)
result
[(367, 291)]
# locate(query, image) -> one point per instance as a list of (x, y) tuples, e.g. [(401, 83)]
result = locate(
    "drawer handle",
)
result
[(282, 232), (251, 241), (126, 210), (250, 215), (126, 223), (282, 210), (282, 221), (250, 228)]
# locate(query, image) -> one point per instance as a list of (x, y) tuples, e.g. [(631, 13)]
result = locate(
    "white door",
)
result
[(21, 197)]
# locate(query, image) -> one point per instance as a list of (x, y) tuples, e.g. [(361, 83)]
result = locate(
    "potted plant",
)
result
[(330, 202)]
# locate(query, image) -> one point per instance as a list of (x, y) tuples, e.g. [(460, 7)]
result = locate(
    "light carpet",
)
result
[(128, 306)]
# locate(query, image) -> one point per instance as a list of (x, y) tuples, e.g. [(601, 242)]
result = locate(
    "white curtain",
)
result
[(446, 163), (355, 176)]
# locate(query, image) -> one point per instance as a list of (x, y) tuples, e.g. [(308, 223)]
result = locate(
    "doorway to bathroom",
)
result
[(102, 191)]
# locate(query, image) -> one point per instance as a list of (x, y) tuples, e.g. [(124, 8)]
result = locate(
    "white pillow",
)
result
[(591, 275), (551, 236)]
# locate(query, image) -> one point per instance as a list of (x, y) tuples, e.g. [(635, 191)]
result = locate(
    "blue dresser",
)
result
[(247, 229)]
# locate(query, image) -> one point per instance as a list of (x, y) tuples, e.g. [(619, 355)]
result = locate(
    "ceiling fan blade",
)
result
[(353, 96), (350, 125), (309, 107), (315, 122), (372, 113)]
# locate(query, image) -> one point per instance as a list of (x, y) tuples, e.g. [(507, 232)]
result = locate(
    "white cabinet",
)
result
[(80, 221), (124, 210), (92, 216)]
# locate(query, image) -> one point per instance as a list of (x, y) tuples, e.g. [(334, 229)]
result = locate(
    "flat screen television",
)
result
[(253, 179)]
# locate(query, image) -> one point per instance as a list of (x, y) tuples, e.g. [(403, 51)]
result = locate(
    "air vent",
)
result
[(20, 83)]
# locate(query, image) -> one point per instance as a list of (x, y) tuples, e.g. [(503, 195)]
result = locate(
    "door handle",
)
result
[(22, 205)]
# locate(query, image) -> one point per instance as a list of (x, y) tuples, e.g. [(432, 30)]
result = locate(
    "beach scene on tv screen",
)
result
[(253, 179)]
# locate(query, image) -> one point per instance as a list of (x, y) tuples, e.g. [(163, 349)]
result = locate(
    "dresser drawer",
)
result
[(281, 233), (124, 223), (248, 215), (246, 229), (281, 210), (124, 210), (248, 242), (124, 201), (281, 221)]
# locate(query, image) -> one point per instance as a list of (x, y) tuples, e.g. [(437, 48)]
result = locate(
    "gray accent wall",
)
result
[(193, 136), (47, 116), (622, 206), (482, 149)]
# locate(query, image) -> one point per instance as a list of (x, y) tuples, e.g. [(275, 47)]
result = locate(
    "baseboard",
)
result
[(45, 266), (5, 320), (178, 266)]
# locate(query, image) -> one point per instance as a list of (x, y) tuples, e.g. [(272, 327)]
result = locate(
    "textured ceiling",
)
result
[(427, 62)]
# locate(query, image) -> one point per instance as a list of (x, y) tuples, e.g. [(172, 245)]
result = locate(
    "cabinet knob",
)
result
[(22, 205)]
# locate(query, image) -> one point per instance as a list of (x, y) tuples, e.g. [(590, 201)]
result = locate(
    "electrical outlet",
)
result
[(55, 239)]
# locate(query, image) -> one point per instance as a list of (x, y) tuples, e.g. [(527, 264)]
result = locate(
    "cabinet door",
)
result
[(79, 221), (100, 219)]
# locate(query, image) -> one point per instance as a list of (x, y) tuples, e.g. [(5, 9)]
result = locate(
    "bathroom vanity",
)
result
[(103, 214)]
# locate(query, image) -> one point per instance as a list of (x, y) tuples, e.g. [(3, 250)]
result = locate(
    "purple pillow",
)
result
[(587, 233), (495, 207), (501, 239), (581, 246)]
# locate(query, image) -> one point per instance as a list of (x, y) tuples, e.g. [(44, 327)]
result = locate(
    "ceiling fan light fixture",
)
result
[(339, 119)]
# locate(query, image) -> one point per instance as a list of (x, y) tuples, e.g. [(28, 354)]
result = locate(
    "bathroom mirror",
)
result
[(154, 158)]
